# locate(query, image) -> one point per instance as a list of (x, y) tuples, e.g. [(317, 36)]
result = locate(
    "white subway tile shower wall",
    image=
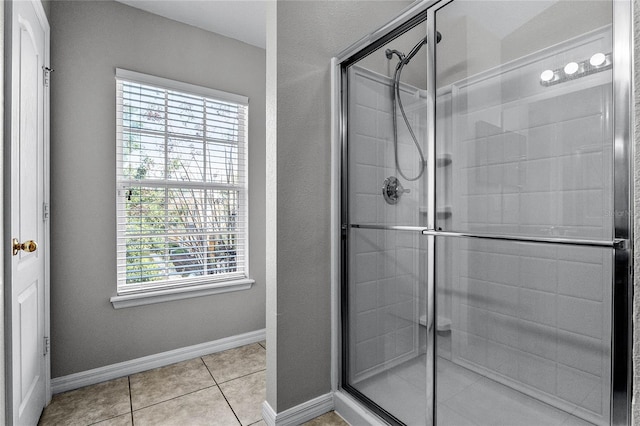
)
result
[(534, 160), (530, 159), (384, 264), (371, 148)]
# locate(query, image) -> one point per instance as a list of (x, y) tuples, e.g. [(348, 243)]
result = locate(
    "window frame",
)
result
[(169, 289)]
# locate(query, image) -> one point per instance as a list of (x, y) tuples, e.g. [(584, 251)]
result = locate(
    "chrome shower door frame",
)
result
[(622, 338), (412, 16), (622, 214)]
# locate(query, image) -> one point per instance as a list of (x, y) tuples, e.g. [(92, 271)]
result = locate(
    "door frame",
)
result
[(623, 278), (5, 341)]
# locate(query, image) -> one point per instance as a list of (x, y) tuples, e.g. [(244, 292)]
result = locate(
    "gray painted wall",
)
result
[(46, 5), (89, 40), (271, 207), (308, 34)]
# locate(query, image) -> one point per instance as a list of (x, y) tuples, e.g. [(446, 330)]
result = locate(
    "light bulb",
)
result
[(547, 75), (597, 59), (571, 68)]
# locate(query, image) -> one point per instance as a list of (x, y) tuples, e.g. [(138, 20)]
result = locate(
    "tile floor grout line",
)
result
[(210, 373), (130, 399), (230, 407), (215, 383), (103, 420), (240, 377), (220, 389), (171, 399)]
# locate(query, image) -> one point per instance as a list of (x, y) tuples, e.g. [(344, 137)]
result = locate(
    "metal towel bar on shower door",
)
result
[(617, 243)]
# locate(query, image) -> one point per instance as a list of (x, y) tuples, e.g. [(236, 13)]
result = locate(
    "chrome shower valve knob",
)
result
[(392, 190)]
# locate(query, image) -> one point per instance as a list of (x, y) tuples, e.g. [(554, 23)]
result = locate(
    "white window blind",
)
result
[(181, 184)]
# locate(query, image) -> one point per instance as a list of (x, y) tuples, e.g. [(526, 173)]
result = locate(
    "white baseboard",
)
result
[(353, 412), (298, 414), (268, 414), (121, 369)]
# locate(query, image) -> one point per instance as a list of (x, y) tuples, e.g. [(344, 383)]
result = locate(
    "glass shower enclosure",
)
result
[(485, 214)]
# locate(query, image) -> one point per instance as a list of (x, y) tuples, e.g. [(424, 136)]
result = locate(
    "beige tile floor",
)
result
[(225, 388)]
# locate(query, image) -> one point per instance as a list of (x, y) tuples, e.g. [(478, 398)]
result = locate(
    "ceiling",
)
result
[(243, 20)]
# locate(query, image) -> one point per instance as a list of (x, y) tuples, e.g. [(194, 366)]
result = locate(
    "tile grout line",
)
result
[(209, 371), (241, 377), (171, 399), (216, 384), (117, 415), (234, 378), (174, 397), (221, 393), (230, 407), (238, 378), (103, 420), (189, 393), (130, 399)]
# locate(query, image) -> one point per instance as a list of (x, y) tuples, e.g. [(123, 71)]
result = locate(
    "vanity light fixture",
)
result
[(596, 63), (571, 68)]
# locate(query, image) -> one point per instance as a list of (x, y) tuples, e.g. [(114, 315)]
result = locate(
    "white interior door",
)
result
[(28, 182)]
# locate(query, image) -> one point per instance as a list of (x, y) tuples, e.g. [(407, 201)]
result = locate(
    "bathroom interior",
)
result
[(482, 218), (480, 191)]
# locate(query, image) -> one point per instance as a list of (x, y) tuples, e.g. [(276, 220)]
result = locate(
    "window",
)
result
[(181, 184)]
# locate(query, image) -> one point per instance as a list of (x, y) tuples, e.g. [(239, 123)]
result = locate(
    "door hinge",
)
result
[(46, 348), (45, 211), (47, 75)]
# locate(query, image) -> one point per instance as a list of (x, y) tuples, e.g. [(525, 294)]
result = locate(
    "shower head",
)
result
[(406, 58)]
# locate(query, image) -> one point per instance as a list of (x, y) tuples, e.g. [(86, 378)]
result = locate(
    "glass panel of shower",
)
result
[(524, 114), (385, 295), (480, 217)]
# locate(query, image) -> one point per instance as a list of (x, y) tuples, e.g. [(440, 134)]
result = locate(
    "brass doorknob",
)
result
[(28, 246)]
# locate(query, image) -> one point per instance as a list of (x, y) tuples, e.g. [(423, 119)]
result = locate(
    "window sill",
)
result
[(159, 296)]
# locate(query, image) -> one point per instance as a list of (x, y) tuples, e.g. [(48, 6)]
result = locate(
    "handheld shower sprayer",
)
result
[(402, 61), (415, 50)]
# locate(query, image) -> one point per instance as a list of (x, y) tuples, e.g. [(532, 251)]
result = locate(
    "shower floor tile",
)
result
[(448, 417), (494, 404), (453, 379), (464, 398)]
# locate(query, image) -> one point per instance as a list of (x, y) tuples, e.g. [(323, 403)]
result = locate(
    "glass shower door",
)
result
[(485, 255), (384, 317), (523, 212)]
